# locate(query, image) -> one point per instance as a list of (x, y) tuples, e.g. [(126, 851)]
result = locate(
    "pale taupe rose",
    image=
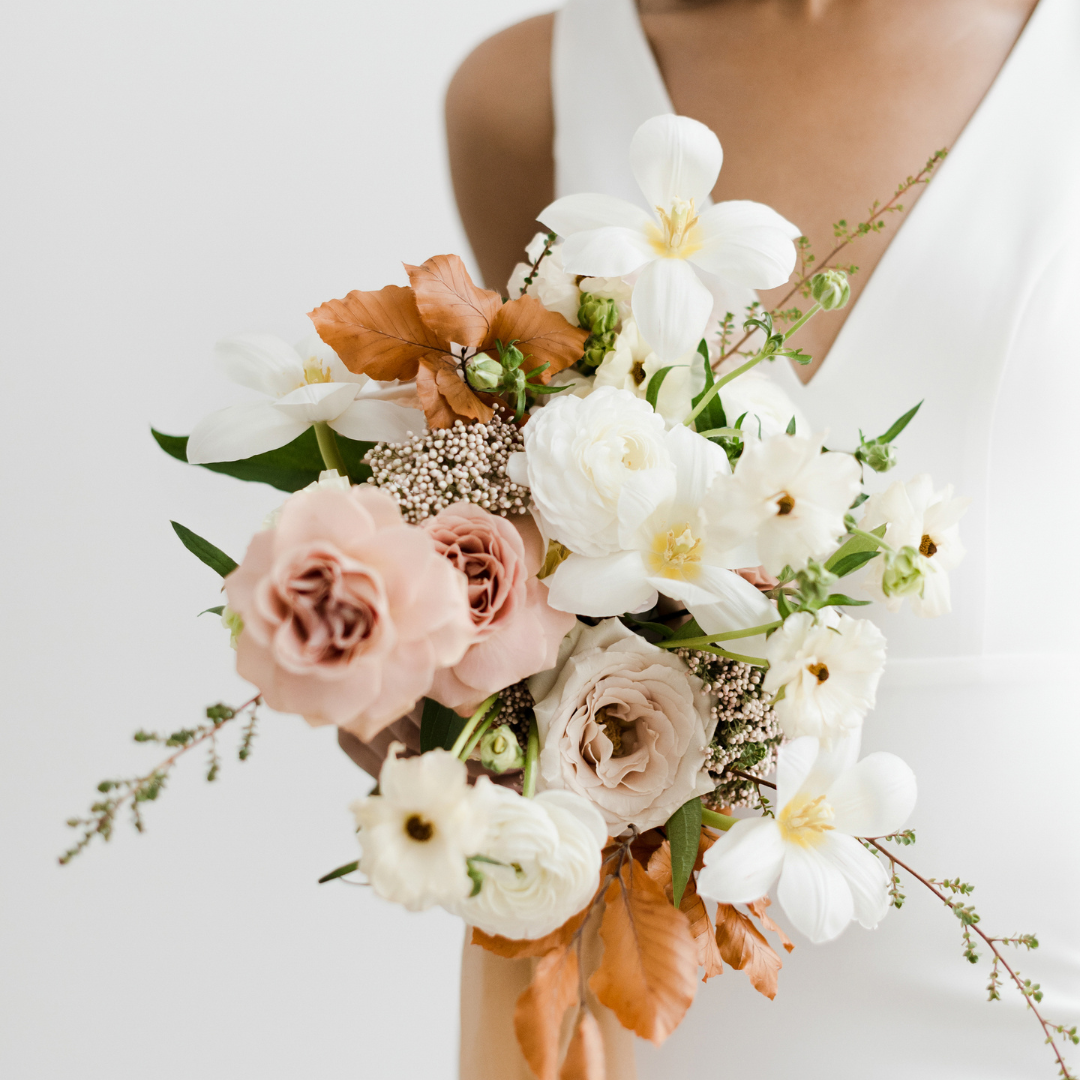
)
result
[(623, 724)]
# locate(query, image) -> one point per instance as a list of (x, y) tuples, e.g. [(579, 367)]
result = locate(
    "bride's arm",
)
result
[(499, 128)]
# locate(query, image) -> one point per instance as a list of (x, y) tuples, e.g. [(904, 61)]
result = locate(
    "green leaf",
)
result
[(289, 468), (202, 549), (899, 425), (439, 726), (838, 599), (850, 563), (341, 871), (212, 611), (790, 429), (712, 416), (855, 544), (782, 606), (656, 627), (653, 391), (683, 833), (688, 629)]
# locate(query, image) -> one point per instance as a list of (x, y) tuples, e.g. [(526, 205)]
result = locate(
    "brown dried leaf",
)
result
[(692, 906), (444, 397), (511, 948), (449, 303), (585, 1056), (757, 907), (648, 973), (542, 335), (380, 334), (539, 1011), (743, 946)]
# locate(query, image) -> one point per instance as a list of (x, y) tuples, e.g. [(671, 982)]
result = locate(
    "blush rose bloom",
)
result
[(348, 611), (516, 632), (623, 724)]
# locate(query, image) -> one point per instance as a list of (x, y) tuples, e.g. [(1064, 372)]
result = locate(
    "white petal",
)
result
[(576, 213), (374, 420), (607, 252), (517, 468), (242, 431), (814, 894), (736, 605), (643, 495), (794, 763), (674, 157), (874, 798), (866, 877), (608, 585), (697, 463), (318, 401), (746, 243), (743, 864), (314, 348), (261, 362), (836, 757), (672, 307)]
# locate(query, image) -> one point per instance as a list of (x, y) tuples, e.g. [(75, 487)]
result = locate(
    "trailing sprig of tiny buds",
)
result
[(132, 792)]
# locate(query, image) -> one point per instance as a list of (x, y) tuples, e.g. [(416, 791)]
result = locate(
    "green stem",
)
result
[(478, 734), (877, 541), (728, 635), (532, 758), (715, 432), (470, 724), (715, 388), (801, 322), (328, 447), (716, 821)]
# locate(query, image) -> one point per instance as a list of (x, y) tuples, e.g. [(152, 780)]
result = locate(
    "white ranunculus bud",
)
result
[(830, 289), (538, 865), (500, 751)]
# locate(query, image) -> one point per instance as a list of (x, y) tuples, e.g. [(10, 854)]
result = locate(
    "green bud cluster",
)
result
[(504, 375), (830, 289), (599, 315), (814, 585), (500, 751), (878, 456), (904, 573), (484, 373)]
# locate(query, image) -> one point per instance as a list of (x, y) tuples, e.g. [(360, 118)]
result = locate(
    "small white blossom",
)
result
[(551, 285)]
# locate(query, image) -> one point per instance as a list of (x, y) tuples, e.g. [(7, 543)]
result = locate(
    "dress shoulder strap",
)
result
[(604, 84)]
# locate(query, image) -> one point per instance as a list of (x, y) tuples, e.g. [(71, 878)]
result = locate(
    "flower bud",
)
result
[(878, 456), (597, 314), (597, 346), (484, 373), (814, 584), (830, 289), (500, 751), (904, 572), (233, 623)]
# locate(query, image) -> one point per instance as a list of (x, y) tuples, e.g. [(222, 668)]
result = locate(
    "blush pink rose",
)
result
[(348, 611), (516, 633)]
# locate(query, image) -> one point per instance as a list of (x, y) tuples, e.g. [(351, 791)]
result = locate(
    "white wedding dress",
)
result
[(973, 308)]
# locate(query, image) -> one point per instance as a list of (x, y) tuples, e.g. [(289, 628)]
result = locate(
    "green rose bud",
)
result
[(500, 751), (814, 584), (484, 373), (904, 572), (597, 314), (597, 346), (878, 456), (830, 289)]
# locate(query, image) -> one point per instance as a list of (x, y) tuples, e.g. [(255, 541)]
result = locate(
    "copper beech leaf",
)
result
[(449, 303), (380, 334), (511, 948), (543, 336), (757, 907), (539, 1012), (744, 947), (585, 1055), (648, 973)]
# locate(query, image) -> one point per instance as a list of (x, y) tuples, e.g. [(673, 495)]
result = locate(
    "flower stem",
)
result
[(532, 757), (478, 734), (470, 725), (715, 388), (728, 635), (877, 541), (328, 447), (799, 324), (716, 821)]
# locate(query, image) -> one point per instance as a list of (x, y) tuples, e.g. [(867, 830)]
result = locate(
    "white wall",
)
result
[(172, 172)]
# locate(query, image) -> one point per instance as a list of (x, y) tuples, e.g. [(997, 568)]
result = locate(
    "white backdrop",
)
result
[(172, 171)]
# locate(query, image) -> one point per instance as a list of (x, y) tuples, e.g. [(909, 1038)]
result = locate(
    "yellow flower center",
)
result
[(314, 372), (927, 547), (676, 553), (678, 235), (419, 829), (819, 671), (785, 504), (805, 821)]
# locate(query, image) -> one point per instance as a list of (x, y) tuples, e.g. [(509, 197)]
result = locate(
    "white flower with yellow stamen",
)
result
[(302, 386), (824, 800), (682, 249)]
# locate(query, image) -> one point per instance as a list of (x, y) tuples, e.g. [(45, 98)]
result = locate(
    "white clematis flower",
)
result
[(829, 671), (824, 800), (675, 161), (418, 832), (926, 520), (539, 863), (302, 386), (791, 496), (666, 548)]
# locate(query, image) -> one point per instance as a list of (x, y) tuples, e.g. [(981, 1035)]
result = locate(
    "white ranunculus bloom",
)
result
[(545, 862), (583, 456), (675, 161), (768, 408), (927, 520), (829, 670), (824, 800), (301, 386), (665, 549), (791, 496), (418, 832)]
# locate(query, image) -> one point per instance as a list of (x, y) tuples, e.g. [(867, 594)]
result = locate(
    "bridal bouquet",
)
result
[(579, 575)]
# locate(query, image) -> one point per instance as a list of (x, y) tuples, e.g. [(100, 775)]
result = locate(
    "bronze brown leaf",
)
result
[(540, 1009), (450, 304), (757, 908), (512, 948), (543, 336), (744, 947), (585, 1056)]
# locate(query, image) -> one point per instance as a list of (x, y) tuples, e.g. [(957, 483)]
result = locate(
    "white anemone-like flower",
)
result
[(927, 520), (791, 496), (824, 800), (539, 863), (762, 403), (666, 549), (829, 670), (675, 161), (301, 386), (582, 457), (418, 832)]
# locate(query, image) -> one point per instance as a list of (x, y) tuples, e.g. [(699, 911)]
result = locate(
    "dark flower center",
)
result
[(927, 547), (615, 729), (418, 828), (819, 671), (785, 504), (637, 372)]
